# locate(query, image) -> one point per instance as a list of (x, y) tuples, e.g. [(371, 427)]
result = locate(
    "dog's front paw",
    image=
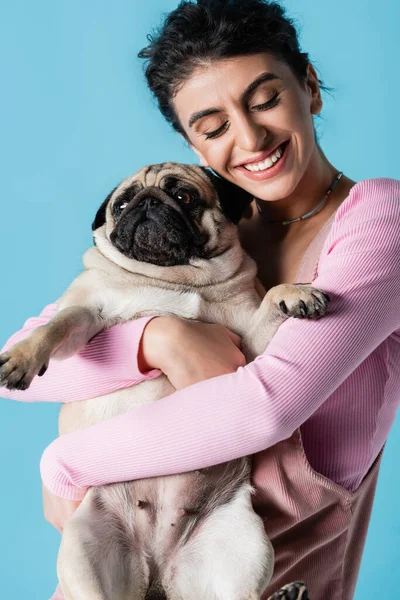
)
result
[(292, 591), (303, 301), (20, 364)]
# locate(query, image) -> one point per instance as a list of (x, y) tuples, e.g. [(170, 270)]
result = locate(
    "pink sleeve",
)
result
[(264, 402), (109, 362)]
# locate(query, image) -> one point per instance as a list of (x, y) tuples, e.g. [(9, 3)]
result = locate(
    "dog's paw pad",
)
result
[(305, 301), (18, 366)]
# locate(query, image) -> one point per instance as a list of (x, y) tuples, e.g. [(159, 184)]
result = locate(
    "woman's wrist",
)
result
[(154, 344)]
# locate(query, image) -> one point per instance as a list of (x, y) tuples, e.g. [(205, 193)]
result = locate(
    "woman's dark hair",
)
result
[(199, 32)]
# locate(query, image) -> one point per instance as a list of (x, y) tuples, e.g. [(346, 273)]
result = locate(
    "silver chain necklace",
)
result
[(313, 212)]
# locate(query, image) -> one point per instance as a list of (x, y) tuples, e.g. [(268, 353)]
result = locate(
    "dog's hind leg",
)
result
[(228, 557), (96, 560)]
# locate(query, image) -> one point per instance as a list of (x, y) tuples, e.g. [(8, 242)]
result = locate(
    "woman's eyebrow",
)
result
[(258, 81), (202, 113), (247, 92)]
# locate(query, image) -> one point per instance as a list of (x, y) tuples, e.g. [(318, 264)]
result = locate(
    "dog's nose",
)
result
[(148, 202)]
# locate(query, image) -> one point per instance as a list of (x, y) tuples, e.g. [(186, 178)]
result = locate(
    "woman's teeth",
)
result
[(267, 163)]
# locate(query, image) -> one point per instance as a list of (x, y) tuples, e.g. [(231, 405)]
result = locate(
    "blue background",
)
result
[(76, 118)]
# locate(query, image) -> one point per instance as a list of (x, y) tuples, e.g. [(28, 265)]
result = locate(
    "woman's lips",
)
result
[(271, 171)]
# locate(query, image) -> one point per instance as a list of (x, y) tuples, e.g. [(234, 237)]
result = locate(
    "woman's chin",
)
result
[(271, 190)]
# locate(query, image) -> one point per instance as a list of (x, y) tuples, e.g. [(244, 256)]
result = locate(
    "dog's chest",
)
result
[(121, 303)]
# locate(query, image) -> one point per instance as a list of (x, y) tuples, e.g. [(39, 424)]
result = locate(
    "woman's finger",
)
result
[(236, 339)]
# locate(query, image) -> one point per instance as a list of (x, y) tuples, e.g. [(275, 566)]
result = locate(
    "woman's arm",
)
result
[(264, 402), (109, 362)]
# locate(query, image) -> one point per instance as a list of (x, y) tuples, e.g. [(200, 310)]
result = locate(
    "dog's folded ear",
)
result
[(100, 217), (233, 199)]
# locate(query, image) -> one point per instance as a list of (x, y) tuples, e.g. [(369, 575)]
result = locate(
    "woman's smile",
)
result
[(265, 167)]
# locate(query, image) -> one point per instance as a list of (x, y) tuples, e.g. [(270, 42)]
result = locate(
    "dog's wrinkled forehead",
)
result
[(164, 174)]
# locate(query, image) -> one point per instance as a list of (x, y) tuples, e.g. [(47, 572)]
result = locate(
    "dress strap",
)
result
[(307, 270)]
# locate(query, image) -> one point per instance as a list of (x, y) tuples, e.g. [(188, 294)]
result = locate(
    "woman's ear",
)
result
[(312, 84)]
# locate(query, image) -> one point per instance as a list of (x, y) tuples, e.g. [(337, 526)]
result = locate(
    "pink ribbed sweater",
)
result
[(337, 378)]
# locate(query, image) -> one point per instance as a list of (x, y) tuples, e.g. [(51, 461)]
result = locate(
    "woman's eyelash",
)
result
[(269, 104), (213, 134)]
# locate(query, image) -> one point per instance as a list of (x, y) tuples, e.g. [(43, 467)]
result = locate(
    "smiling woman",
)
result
[(316, 407), (272, 117)]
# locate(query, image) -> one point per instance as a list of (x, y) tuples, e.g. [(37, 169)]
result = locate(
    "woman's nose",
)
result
[(250, 136)]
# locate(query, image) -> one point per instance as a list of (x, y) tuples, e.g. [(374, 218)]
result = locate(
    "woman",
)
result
[(316, 408)]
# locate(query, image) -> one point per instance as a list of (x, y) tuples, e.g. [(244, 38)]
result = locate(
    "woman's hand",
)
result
[(189, 351), (58, 511)]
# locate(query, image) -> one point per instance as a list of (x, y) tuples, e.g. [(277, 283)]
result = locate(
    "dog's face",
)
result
[(169, 214)]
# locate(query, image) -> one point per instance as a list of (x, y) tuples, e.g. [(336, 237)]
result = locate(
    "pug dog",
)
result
[(165, 243)]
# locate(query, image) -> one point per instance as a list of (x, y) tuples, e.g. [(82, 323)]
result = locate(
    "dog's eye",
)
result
[(118, 208), (184, 197)]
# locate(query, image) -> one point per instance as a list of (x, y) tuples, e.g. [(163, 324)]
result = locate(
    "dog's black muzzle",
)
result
[(155, 228)]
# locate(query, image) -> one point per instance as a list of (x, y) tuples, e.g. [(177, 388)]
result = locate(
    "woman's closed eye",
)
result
[(268, 104), (211, 134)]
